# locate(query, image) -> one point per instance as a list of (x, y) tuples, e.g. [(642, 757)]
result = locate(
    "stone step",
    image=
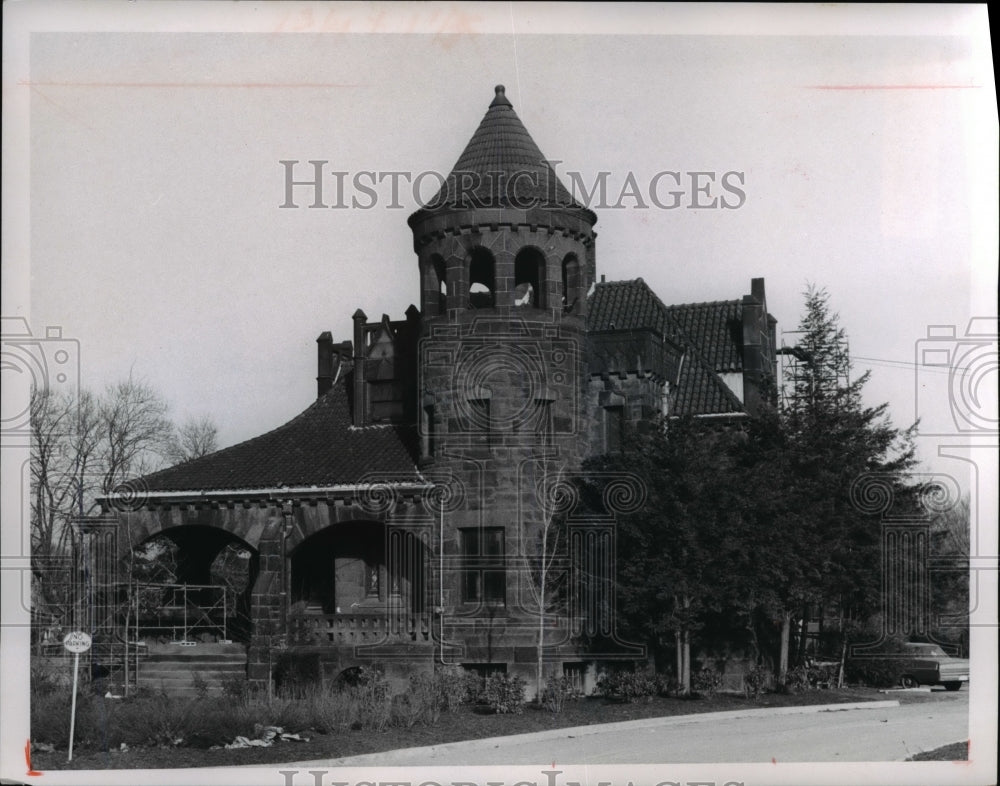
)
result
[(174, 668), (172, 657), (184, 693), (180, 682), (198, 648), (187, 675), (187, 668)]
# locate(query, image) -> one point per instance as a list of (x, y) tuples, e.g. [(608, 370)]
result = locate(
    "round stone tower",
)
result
[(506, 259)]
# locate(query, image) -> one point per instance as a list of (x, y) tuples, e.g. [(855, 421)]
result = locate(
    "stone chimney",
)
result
[(325, 366), (360, 392), (755, 336)]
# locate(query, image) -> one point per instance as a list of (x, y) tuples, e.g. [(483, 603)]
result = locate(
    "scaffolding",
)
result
[(122, 614)]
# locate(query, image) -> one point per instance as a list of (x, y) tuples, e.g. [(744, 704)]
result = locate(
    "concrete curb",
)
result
[(384, 757)]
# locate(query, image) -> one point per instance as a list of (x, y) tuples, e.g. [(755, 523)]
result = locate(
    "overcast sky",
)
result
[(142, 177), (157, 240)]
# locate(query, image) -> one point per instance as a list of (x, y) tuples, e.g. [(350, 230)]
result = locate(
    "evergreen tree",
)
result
[(822, 548), (671, 554)]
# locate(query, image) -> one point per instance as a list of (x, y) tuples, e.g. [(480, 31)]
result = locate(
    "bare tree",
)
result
[(83, 447), (63, 449), (195, 438), (134, 432), (545, 587)]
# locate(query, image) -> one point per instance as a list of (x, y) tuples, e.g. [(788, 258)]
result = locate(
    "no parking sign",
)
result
[(75, 642)]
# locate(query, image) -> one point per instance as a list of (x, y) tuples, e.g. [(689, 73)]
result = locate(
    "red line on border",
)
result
[(29, 83), (27, 759)]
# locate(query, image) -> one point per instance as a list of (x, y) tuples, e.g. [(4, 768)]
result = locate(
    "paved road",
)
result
[(881, 734)]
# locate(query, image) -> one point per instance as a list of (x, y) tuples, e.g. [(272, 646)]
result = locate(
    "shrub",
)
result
[(298, 674), (200, 685), (472, 684), (557, 690), (630, 686), (706, 681), (335, 711), (755, 680), (421, 703), (872, 672), (374, 701), (803, 678), (50, 717), (49, 675), (236, 689), (455, 686), (504, 693)]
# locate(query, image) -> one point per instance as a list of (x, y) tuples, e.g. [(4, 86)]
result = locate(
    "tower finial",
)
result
[(500, 99)]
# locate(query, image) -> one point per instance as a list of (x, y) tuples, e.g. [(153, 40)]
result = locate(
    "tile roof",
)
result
[(501, 144), (700, 391), (319, 447), (627, 305), (710, 332), (716, 328)]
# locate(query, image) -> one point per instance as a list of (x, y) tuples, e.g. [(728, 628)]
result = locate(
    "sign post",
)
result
[(75, 642)]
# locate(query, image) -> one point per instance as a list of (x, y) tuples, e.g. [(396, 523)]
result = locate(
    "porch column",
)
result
[(266, 601)]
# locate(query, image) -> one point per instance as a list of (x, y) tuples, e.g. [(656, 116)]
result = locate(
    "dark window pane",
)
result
[(494, 586), (613, 423), (484, 579), (493, 542)]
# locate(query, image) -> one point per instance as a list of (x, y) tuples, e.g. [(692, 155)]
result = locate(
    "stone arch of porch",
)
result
[(250, 525), (358, 564), (209, 566)]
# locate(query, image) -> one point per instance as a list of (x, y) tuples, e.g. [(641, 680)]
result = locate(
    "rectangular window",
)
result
[(484, 577), (614, 425)]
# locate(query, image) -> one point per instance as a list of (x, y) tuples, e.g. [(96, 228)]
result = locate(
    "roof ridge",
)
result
[(735, 302)]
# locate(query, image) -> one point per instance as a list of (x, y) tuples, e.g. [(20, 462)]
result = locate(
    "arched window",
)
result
[(482, 279), (529, 278), (570, 283)]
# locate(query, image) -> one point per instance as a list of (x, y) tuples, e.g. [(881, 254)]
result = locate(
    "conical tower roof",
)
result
[(502, 167)]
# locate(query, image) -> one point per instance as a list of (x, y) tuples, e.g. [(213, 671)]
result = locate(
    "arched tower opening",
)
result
[(571, 279), (482, 278), (529, 278)]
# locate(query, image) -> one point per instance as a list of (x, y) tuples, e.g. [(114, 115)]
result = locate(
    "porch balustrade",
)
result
[(353, 629)]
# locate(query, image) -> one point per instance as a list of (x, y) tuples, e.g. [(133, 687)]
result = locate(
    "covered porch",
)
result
[(358, 583)]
